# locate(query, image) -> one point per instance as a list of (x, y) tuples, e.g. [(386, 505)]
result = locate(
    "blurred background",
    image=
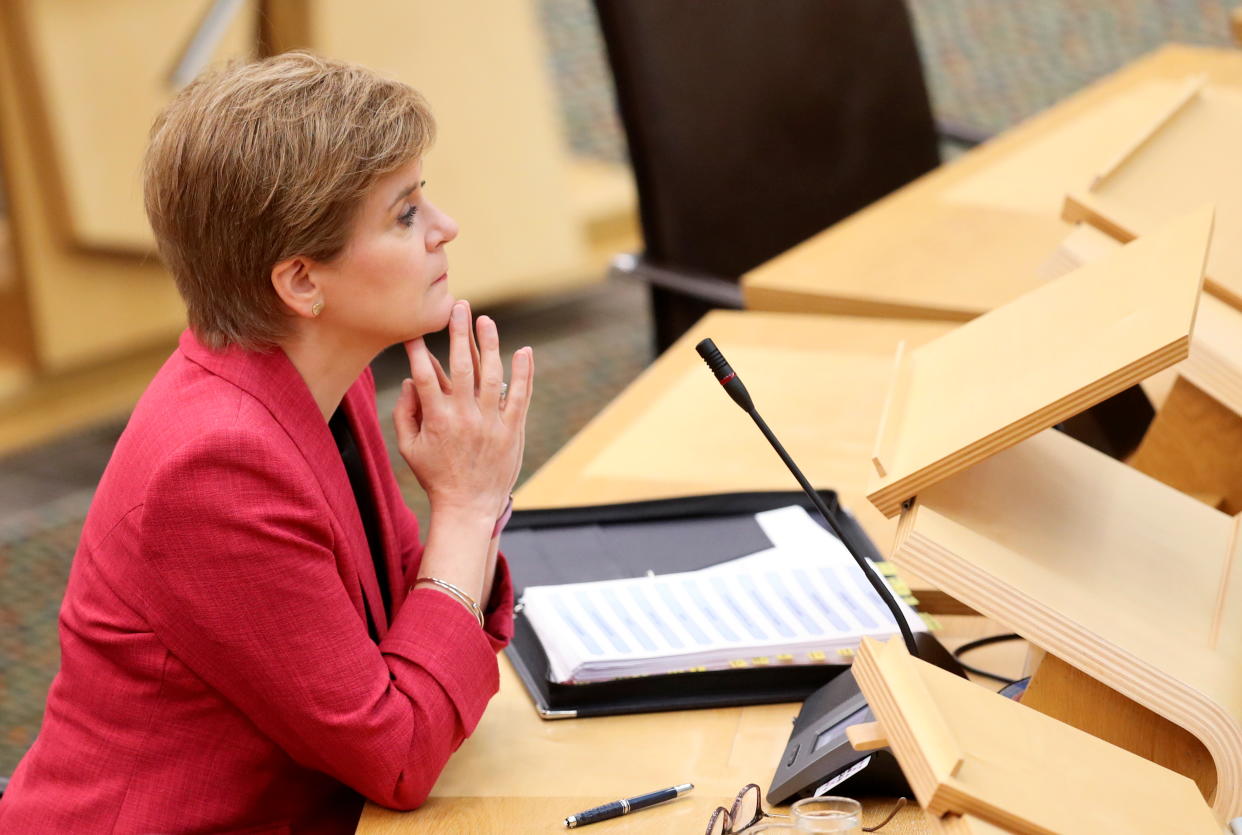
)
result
[(531, 160)]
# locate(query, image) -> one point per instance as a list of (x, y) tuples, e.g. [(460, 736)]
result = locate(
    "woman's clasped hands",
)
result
[(461, 434)]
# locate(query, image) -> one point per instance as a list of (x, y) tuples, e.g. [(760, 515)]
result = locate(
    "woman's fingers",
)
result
[(474, 349), (406, 415), (425, 379), (446, 385), (518, 399), (461, 360), (491, 369)]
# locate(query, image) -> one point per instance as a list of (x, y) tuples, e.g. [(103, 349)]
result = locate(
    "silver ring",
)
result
[(504, 390)]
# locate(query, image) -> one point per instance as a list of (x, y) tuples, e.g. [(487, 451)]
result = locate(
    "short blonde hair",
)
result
[(255, 163)]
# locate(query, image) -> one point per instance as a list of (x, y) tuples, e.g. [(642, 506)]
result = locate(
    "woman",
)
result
[(252, 637)]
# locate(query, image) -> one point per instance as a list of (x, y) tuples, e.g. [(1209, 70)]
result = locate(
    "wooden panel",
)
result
[(99, 73), (499, 166), (955, 824), (1215, 363), (1189, 159), (968, 237), (1070, 695), (1020, 770), (83, 307), (1122, 577), (1044, 357), (1195, 444)]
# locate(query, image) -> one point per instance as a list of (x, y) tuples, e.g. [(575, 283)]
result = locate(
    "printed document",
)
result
[(802, 601)]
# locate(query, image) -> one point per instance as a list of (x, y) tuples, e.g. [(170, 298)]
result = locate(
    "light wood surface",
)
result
[(1041, 358), (1062, 691), (1189, 160), (819, 382), (1215, 362), (968, 751), (1120, 576), (519, 774), (77, 307), (1085, 244), (1195, 441), (970, 235), (1195, 444), (1175, 106), (955, 824)]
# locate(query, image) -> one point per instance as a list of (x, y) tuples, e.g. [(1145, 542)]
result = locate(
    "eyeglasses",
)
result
[(747, 810)]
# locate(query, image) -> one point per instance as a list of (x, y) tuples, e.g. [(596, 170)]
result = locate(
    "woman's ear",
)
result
[(296, 284)]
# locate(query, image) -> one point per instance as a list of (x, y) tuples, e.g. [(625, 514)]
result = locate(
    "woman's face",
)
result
[(390, 283)]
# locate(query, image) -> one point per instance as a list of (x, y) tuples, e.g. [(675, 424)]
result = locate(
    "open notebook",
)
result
[(802, 601)]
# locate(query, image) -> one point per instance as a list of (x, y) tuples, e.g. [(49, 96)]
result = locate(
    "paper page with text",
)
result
[(803, 601)]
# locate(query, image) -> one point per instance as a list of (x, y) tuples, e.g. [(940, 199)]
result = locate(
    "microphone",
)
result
[(728, 378)]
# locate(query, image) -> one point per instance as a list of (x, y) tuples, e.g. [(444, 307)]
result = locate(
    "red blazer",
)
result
[(216, 670)]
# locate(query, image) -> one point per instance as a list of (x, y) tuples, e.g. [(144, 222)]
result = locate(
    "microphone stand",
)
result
[(729, 379)]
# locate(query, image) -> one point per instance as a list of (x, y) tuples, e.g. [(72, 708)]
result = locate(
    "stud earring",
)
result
[(317, 308)]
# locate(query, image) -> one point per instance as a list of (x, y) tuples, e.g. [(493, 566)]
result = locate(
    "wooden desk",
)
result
[(520, 774), (819, 382), (971, 235)]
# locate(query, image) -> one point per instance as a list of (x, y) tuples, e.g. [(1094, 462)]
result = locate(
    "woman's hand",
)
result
[(463, 442)]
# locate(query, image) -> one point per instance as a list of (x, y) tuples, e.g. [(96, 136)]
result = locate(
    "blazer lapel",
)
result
[(273, 381), (359, 409)]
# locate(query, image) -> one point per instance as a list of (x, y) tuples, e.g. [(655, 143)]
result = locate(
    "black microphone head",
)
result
[(724, 374), (714, 359)]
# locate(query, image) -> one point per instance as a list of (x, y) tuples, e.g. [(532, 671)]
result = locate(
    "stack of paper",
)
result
[(803, 601)]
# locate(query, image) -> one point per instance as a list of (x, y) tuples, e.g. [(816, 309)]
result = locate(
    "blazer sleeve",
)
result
[(244, 588)]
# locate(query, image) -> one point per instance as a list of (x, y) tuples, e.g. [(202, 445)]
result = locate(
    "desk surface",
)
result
[(521, 774), (818, 381), (971, 235)]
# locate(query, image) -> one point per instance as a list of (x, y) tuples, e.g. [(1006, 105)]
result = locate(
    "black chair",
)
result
[(754, 124)]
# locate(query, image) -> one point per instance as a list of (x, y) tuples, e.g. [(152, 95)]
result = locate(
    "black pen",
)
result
[(623, 807)]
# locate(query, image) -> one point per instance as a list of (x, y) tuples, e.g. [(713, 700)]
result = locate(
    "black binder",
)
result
[(606, 542)]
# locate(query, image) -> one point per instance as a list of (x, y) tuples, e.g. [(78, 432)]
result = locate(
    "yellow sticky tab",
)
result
[(785, 658), (738, 663), (845, 652), (761, 661), (816, 655)]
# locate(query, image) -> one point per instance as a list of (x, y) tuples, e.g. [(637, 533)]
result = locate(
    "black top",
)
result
[(356, 469)]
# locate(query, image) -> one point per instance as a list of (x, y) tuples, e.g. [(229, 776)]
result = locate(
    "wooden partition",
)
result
[(1040, 359), (1195, 441), (1184, 157), (1132, 584), (989, 764), (80, 84)]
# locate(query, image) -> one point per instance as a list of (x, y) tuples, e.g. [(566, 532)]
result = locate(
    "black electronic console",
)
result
[(818, 751)]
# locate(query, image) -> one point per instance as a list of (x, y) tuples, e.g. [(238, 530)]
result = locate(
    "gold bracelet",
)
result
[(463, 598)]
